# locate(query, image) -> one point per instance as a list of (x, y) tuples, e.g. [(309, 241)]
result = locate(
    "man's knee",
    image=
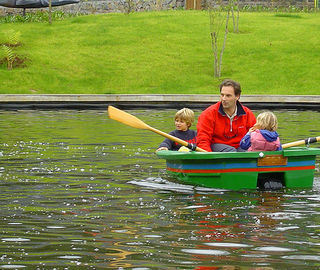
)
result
[(219, 147)]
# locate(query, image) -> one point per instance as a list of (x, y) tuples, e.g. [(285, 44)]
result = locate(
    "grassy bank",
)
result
[(164, 52)]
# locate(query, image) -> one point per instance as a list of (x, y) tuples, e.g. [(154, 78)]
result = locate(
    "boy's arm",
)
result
[(167, 144)]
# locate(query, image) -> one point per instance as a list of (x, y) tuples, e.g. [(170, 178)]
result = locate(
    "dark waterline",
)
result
[(80, 191)]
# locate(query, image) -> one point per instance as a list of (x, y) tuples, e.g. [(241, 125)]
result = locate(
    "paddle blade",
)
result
[(133, 121), (126, 118)]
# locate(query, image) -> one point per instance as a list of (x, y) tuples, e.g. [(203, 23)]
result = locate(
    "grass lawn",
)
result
[(164, 52)]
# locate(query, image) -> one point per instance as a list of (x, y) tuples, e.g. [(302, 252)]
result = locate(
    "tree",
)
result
[(50, 12), (219, 19), (234, 7)]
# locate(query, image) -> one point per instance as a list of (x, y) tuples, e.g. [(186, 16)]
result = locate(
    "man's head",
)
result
[(236, 86), (229, 95)]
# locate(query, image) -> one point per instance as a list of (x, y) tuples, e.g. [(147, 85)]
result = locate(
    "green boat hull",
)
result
[(294, 168)]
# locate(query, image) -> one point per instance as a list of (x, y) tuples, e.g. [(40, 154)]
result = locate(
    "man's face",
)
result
[(228, 98)]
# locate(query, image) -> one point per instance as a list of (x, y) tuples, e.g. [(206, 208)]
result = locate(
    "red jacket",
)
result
[(214, 126)]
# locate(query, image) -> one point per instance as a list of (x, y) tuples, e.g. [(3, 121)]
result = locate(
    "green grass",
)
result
[(164, 52)]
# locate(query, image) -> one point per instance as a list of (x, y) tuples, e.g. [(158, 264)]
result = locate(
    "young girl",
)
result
[(262, 136), (183, 121)]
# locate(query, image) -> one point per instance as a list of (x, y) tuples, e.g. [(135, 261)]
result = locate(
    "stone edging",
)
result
[(83, 101)]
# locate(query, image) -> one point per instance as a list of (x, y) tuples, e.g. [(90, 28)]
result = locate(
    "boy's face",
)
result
[(181, 124)]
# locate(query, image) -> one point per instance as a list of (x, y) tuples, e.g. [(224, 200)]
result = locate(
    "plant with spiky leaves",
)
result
[(9, 55), (13, 38)]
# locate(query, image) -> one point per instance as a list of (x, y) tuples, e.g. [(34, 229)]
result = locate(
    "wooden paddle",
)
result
[(301, 142), (132, 121)]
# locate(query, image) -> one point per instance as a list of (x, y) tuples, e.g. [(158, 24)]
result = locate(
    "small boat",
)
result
[(292, 167), (289, 168)]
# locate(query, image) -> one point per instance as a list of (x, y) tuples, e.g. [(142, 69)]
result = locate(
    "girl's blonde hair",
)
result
[(268, 121), (186, 115)]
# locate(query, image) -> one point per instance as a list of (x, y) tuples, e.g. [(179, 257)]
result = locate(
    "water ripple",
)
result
[(206, 252)]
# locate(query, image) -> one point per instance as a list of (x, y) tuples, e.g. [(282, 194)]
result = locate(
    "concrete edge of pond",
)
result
[(133, 101)]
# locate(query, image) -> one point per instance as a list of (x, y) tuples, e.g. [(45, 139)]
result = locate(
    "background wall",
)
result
[(104, 6)]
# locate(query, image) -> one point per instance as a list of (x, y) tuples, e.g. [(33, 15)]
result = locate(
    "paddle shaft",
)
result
[(301, 142), (175, 139)]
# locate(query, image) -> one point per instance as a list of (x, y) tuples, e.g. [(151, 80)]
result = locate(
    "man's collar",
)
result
[(234, 114), (239, 109)]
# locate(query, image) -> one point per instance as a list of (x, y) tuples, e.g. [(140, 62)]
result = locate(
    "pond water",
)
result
[(81, 191)]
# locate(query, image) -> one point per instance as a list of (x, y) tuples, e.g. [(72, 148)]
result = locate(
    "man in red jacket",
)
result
[(222, 125)]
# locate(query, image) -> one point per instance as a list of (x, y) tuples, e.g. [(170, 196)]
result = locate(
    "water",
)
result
[(80, 191)]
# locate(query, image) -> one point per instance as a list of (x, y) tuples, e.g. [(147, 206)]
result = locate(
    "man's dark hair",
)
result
[(236, 86)]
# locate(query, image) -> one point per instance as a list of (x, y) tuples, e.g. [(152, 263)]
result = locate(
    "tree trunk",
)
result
[(224, 43), (49, 13), (217, 20)]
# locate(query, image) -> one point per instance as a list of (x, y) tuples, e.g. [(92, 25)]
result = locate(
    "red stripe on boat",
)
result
[(300, 168)]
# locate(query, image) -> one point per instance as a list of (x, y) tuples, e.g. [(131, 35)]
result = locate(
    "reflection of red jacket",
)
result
[(214, 126)]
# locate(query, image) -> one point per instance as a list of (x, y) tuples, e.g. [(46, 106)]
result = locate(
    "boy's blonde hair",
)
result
[(268, 121), (186, 115)]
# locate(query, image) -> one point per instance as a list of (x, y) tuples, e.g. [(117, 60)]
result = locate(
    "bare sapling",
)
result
[(234, 8), (159, 5), (50, 12), (219, 20), (128, 6)]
